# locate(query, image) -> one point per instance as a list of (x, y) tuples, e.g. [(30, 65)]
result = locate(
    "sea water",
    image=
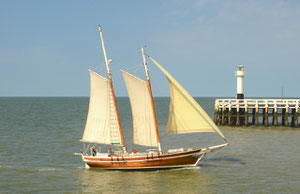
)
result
[(38, 137)]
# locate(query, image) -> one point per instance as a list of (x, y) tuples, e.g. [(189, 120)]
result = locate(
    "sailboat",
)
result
[(103, 126)]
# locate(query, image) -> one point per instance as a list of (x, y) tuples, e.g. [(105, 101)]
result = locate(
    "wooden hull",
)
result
[(146, 161)]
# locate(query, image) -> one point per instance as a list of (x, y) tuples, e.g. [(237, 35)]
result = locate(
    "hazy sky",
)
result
[(47, 47)]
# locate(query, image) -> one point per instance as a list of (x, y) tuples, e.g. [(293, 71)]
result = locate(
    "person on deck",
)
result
[(110, 152), (94, 152)]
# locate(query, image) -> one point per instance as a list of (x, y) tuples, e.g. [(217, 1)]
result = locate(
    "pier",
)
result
[(257, 112)]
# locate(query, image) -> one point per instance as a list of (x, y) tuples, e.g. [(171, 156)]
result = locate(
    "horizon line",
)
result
[(153, 96)]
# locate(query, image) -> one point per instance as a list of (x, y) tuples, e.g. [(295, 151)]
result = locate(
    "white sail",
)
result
[(142, 114), (185, 114), (101, 125)]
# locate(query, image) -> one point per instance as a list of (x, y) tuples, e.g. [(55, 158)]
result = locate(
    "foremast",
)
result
[(108, 75), (151, 99)]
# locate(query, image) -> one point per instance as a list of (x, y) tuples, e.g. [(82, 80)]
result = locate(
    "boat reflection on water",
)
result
[(165, 181)]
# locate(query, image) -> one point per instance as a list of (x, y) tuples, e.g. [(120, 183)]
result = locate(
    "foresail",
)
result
[(100, 125), (185, 114), (143, 122)]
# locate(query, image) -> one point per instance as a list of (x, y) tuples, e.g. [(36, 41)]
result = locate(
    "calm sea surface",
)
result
[(39, 135)]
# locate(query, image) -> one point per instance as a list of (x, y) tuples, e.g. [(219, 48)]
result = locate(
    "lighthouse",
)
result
[(240, 80)]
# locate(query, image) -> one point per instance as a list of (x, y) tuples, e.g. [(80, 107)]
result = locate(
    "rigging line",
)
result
[(213, 153), (107, 122), (135, 68), (139, 67), (148, 123), (101, 68), (98, 69), (158, 88)]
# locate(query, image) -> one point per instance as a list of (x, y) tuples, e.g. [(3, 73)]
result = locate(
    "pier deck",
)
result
[(267, 112)]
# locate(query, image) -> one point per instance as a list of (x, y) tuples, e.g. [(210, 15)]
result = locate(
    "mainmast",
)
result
[(151, 99), (108, 74)]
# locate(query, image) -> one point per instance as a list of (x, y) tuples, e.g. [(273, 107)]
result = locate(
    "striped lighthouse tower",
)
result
[(240, 80)]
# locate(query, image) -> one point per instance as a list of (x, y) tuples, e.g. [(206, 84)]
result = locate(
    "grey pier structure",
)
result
[(257, 112)]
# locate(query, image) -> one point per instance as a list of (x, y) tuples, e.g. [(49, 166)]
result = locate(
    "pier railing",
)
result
[(258, 103), (257, 112)]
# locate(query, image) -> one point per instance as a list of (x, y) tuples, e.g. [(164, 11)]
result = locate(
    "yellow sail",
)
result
[(101, 125), (185, 114), (142, 115)]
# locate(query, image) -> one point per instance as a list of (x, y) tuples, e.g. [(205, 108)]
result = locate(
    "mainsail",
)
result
[(101, 125), (142, 114), (185, 114)]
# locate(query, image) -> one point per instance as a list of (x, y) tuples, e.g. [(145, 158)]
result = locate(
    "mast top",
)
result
[(145, 64), (104, 54)]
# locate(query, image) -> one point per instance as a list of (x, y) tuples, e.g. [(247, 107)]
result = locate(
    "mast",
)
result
[(151, 99), (108, 74)]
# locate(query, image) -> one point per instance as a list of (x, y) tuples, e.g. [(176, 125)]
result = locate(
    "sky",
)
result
[(47, 47)]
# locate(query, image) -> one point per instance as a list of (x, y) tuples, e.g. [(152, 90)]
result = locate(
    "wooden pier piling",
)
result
[(246, 116), (229, 116), (286, 117), (238, 123), (216, 113), (266, 117), (245, 112), (275, 117), (256, 117)]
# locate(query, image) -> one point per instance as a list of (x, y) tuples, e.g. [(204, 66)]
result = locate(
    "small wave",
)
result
[(176, 169), (188, 168), (31, 169), (4, 167), (46, 169)]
